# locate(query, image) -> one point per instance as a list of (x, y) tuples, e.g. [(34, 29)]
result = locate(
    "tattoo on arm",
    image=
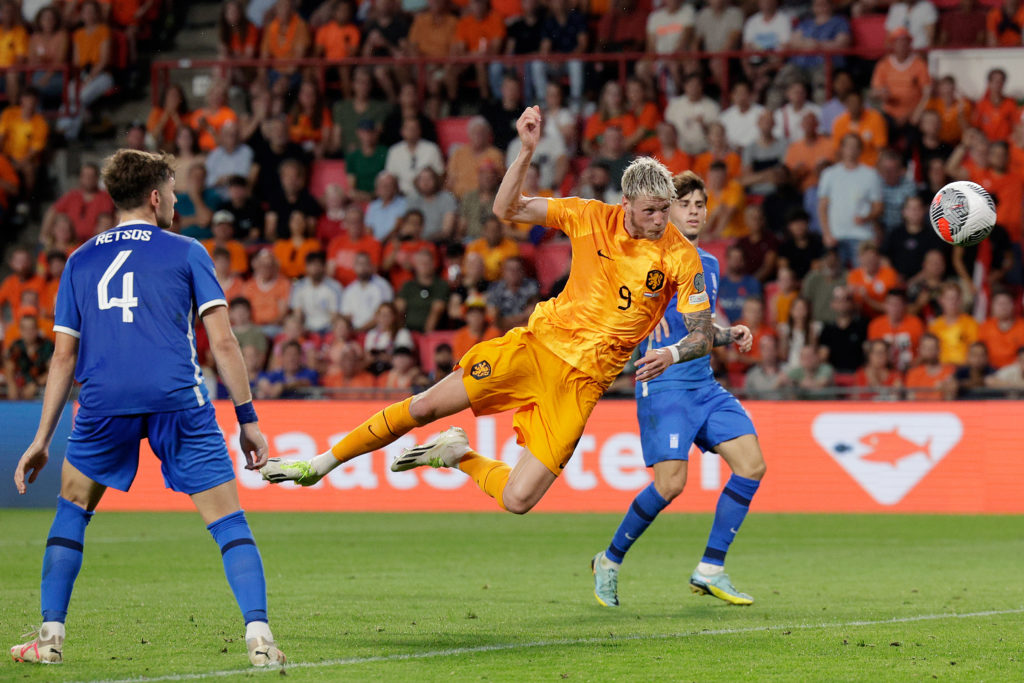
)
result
[(699, 341), (723, 335)]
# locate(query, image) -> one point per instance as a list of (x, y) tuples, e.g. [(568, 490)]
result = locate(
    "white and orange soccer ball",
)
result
[(963, 213)]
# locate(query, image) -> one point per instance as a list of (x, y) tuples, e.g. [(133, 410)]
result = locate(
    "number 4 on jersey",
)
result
[(127, 301)]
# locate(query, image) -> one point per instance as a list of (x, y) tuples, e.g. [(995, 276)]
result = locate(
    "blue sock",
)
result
[(732, 508), (62, 559), (646, 506), (242, 564)]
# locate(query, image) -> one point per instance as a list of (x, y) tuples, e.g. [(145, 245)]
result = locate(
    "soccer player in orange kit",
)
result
[(626, 267)]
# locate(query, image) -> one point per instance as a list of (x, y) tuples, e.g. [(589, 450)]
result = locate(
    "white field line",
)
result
[(503, 647)]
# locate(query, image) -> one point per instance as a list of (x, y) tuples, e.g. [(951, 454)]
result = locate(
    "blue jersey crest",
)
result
[(696, 372), (130, 294)]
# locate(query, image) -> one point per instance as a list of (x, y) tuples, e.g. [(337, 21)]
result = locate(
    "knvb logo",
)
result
[(888, 454)]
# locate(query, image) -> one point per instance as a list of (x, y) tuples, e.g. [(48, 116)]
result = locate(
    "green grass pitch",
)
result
[(495, 597)]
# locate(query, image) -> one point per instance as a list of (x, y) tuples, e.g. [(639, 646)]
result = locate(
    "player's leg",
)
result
[(62, 560), (729, 433), (666, 433), (447, 397), (194, 460)]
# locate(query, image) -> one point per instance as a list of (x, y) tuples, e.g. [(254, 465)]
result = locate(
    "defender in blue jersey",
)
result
[(124, 327), (682, 404)]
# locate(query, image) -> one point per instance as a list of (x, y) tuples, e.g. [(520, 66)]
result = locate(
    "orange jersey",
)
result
[(904, 82), (995, 121), (954, 337), (618, 289), (871, 129), (676, 162), (22, 138), (903, 338), (927, 377), (337, 41), (1002, 345), (953, 116), (871, 288)]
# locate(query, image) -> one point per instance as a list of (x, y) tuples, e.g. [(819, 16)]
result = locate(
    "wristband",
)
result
[(674, 350), (246, 413)]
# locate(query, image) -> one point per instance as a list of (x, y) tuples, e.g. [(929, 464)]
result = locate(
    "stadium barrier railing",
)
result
[(69, 95), (822, 456)]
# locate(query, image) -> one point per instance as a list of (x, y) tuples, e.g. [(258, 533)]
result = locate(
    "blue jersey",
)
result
[(692, 373), (130, 295)]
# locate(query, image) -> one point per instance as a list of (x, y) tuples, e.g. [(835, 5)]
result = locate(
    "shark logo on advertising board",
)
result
[(888, 454)]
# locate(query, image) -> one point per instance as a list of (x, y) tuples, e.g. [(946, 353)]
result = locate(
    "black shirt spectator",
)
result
[(844, 339), (906, 245), (268, 153), (801, 247), (247, 212), (503, 112), (524, 34)]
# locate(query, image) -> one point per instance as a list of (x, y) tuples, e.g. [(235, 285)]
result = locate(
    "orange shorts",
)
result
[(552, 399)]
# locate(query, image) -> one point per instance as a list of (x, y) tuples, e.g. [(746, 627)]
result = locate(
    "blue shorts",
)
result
[(671, 420), (193, 454)]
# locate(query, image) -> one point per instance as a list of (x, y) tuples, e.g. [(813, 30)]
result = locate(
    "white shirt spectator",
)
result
[(381, 219), (361, 300), (788, 120), (318, 302), (916, 18), (377, 340), (767, 34), (221, 164), (668, 27), (549, 150), (741, 127), (686, 116), (405, 163), (714, 30), (850, 193)]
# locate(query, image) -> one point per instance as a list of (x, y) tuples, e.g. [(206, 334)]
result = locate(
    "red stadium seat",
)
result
[(551, 261), (452, 131), (327, 172), (430, 341), (716, 248), (869, 32)]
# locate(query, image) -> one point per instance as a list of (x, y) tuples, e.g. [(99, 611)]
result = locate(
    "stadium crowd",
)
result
[(357, 246)]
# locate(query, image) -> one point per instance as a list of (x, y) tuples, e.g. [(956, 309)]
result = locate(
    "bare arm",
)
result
[(235, 377), (509, 202), (58, 386), (696, 344)]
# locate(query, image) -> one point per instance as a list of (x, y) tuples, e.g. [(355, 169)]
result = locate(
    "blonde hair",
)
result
[(647, 177)]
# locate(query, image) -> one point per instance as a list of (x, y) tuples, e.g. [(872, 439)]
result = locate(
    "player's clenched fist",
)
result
[(528, 127)]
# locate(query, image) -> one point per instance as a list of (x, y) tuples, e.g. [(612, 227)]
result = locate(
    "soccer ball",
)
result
[(963, 213)]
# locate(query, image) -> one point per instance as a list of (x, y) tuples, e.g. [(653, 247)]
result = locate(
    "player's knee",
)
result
[(671, 489), (422, 408), (517, 505), (755, 470)]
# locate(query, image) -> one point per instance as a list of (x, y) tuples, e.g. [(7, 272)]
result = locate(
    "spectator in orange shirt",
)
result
[(10, 185), (465, 162), (929, 379), (432, 34), (995, 113), (223, 226), (718, 150), (867, 124), (346, 369), (165, 120), (955, 329), (668, 152), (23, 134), (338, 39), (611, 111), (267, 291), (640, 103), (1005, 186), (354, 239), (725, 203), (900, 81), (481, 31), (953, 109), (237, 37), (13, 46), (285, 37), (494, 247), (900, 329), (805, 156), (208, 120), (871, 280), (48, 47), (229, 282), (1003, 333), (309, 122), (399, 256), (22, 278), (292, 252), (1005, 24), (93, 52), (477, 328)]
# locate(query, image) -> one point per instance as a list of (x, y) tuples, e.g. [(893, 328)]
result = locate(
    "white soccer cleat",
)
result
[(301, 472), (264, 652), (444, 451), (46, 648)]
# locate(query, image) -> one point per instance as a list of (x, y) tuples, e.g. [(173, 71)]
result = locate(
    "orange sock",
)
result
[(381, 429), (490, 475)]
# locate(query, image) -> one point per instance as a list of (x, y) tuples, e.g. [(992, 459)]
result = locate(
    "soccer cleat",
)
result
[(719, 586), (444, 451), (299, 471), (45, 648), (263, 652), (606, 582)]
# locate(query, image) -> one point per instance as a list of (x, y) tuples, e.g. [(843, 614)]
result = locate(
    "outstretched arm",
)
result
[(509, 202), (696, 344), (737, 333)]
